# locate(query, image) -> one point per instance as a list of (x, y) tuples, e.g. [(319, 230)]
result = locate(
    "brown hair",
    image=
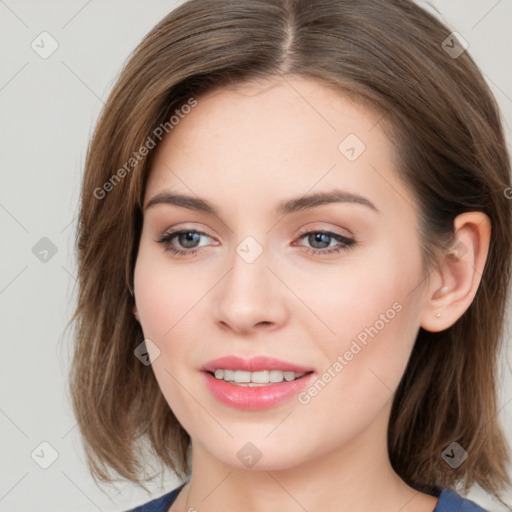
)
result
[(452, 155)]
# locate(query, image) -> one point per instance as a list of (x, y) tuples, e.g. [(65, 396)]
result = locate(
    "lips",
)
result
[(251, 396), (255, 398), (254, 364)]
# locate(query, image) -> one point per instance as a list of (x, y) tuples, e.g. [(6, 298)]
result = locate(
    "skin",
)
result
[(244, 150)]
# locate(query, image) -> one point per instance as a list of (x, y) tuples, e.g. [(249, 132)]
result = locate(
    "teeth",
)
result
[(252, 379), (276, 376)]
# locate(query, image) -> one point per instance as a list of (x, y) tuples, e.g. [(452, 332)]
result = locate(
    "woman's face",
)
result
[(341, 304)]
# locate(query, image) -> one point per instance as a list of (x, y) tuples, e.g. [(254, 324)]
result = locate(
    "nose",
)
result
[(250, 297)]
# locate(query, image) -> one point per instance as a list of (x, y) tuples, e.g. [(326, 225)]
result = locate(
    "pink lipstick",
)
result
[(255, 383)]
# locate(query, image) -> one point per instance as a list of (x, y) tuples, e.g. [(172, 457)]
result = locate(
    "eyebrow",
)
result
[(286, 207)]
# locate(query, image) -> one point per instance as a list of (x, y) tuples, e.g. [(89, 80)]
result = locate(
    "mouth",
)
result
[(256, 379), (254, 365), (256, 383)]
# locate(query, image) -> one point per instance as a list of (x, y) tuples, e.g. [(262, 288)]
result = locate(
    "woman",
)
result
[(294, 252)]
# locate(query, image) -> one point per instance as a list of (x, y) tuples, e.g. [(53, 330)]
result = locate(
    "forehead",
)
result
[(278, 112), (284, 136)]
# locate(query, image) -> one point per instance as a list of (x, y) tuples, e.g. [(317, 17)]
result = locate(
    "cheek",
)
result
[(364, 361), (171, 304), (366, 313), (165, 301), (165, 294)]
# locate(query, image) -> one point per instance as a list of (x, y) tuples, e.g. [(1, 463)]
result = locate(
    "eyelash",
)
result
[(346, 243)]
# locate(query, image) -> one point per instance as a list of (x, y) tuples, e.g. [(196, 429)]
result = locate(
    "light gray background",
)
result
[(48, 108)]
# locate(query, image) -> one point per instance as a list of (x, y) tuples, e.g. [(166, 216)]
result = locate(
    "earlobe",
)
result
[(459, 273), (136, 312)]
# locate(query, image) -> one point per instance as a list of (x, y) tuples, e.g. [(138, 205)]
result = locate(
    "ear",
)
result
[(136, 312), (458, 276)]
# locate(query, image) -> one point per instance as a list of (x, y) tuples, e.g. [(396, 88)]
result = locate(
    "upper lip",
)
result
[(253, 364)]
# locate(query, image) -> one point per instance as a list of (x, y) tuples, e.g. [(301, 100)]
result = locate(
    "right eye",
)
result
[(188, 241)]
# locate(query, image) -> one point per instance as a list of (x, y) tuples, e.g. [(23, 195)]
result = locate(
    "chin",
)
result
[(260, 454)]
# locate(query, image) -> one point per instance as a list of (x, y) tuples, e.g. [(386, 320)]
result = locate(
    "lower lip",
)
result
[(256, 397)]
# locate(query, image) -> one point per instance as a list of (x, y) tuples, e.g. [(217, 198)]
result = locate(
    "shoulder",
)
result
[(450, 501), (160, 504)]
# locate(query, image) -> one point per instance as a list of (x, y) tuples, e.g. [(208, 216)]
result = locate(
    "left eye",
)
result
[(321, 240)]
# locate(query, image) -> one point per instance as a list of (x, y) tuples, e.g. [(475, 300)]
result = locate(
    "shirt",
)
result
[(449, 501)]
